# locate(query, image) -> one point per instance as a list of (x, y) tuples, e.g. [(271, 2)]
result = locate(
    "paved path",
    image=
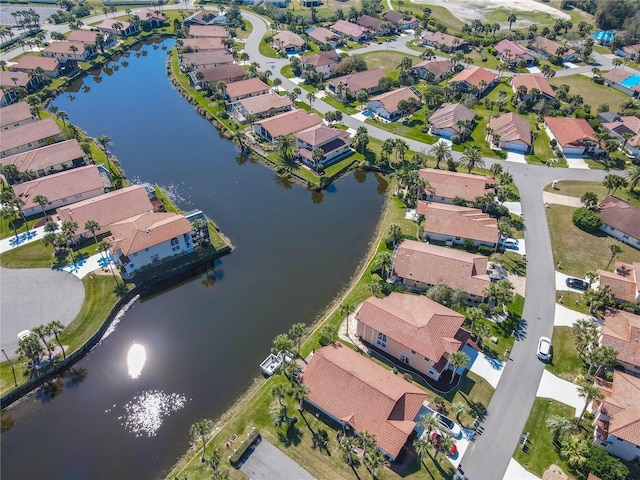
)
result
[(21, 239), (515, 471), (486, 367), (266, 462), (558, 199), (560, 390)]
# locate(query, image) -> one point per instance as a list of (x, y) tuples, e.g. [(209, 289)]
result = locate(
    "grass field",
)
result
[(592, 93), (566, 362), (576, 188), (387, 61)]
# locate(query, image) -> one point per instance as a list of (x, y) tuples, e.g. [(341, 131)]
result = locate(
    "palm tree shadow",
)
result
[(290, 164)]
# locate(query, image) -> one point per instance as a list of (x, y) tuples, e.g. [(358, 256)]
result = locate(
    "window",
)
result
[(382, 340), (174, 241), (431, 372), (135, 254), (413, 352), (426, 359), (404, 358), (146, 250)]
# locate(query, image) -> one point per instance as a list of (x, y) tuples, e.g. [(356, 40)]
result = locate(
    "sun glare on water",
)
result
[(136, 359)]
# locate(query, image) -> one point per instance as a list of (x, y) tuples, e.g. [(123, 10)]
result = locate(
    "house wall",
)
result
[(436, 199), (444, 132), (621, 448), (158, 252), (61, 202), (241, 97), (8, 98), (24, 121), (455, 240), (623, 237), (414, 285), (31, 145), (88, 53), (516, 146)]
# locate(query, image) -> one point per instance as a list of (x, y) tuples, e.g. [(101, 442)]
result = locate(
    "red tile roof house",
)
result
[(288, 41), (618, 416), (510, 131), (617, 75), (432, 70), (624, 281), (374, 24), (621, 330), (322, 36), (48, 160), (362, 396), (286, 123), (385, 105), (29, 63), (449, 185), (106, 209), (7, 96), (546, 48), (354, 82), (574, 135), (401, 20), (444, 122), (453, 225), (204, 31), (631, 51), (203, 44), (333, 142), (325, 63), (536, 86), (60, 189), (251, 87), (627, 130), (512, 53), (476, 80), (260, 107), (232, 72), (117, 26), (621, 220), (11, 80), (29, 137), (419, 266), (204, 17), (16, 115), (91, 37), (70, 50), (207, 58), (415, 330), (148, 238), (150, 16), (443, 41), (351, 31)]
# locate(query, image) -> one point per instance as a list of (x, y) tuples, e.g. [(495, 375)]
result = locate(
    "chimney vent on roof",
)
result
[(149, 230)]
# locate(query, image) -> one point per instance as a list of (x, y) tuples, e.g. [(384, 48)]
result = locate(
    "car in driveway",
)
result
[(544, 349), (577, 283), (448, 425), (510, 243)]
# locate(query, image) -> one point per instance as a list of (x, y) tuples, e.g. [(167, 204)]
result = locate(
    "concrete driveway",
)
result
[(266, 462), (560, 390), (36, 296)]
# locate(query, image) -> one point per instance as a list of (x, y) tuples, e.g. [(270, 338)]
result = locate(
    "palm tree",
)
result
[(472, 158), (276, 83), (482, 331), (396, 233), (104, 247), (511, 18), (589, 392), (441, 151), (299, 393), (632, 175), (104, 142), (64, 116), (374, 461), (56, 328), (382, 262), (574, 450), (347, 447), (474, 314), (297, 333), (558, 426), (317, 155), (278, 391), (460, 409), (347, 309), (92, 226), (42, 201), (496, 170), (615, 250), (458, 360), (198, 431), (445, 442), (285, 145), (422, 446)]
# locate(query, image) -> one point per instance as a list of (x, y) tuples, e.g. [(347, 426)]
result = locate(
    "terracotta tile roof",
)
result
[(319, 134), (320, 59), (370, 398), (531, 82), (631, 49), (231, 72), (108, 24), (355, 81), (264, 103), (570, 132), (15, 113), (246, 87), (108, 208), (208, 31), (207, 57), (321, 34), (624, 281), (372, 23), (287, 38), (390, 100), (621, 330), (146, 230), (7, 80), (432, 265), (289, 122), (591, 476), (449, 114), (60, 185), (616, 75), (414, 321), (443, 39), (620, 215), (456, 184), (29, 132), (437, 67), (348, 28), (511, 127), (329, 148), (85, 36), (550, 47), (454, 221), (626, 125), (31, 62), (398, 18), (46, 157), (65, 47), (146, 14), (204, 44), (474, 76), (515, 50), (623, 408)]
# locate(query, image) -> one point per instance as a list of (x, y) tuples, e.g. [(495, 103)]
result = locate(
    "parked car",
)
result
[(511, 243), (435, 437), (544, 349), (577, 283), (23, 334), (448, 425)]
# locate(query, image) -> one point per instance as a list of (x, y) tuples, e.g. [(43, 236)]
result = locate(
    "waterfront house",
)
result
[(510, 131), (621, 331), (206, 17), (361, 396), (453, 225), (413, 329), (60, 189), (51, 67), (574, 135), (151, 17), (70, 50), (354, 82), (286, 123), (624, 281), (207, 58), (432, 70), (386, 104), (443, 41), (333, 142), (419, 266), (627, 130), (148, 238), (288, 42), (50, 159), (545, 48), (29, 137), (351, 31), (448, 185), (15, 115), (106, 209), (451, 119), (260, 106), (251, 87), (12, 80), (621, 220), (513, 54), (376, 25), (476, 80), (202, 44), (91, 37), (229, 73), (208, 31), (322, 36), (118, 27), (617, 422), (400, 20), (537, 87), (325, 63)]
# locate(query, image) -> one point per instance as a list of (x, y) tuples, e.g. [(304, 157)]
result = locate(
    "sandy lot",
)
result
[(476, 9)]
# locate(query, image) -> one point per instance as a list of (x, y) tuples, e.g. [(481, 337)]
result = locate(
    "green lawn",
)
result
[(592, 93), (387, 61), (576, 188), (476, 55), (348, 108), (573, 301), (593, 252), (566, 363), (500, 15), (32, 255), (267, 50), (411, 128)]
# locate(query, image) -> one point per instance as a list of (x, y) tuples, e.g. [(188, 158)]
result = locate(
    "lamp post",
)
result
[(15, 382)]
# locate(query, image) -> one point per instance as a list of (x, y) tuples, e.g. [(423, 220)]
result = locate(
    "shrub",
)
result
[(455, 139), (485, 250), (468, 245), (243, 447), (586, 220)]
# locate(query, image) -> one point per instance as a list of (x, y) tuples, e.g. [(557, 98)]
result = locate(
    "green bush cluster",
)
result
[(243, 447), (586, 220)]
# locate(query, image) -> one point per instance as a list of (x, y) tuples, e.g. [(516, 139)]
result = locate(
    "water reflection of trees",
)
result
[(317, 196), (360, 175), (284, 181), (6, 421)]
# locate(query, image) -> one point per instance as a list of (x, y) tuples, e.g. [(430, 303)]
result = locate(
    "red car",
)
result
[(435, 436)]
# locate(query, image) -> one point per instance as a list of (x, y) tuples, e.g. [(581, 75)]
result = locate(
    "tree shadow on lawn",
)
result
[(292, 436), (414, 122)]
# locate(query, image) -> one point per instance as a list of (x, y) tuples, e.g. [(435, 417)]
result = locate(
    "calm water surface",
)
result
[(203, 339)]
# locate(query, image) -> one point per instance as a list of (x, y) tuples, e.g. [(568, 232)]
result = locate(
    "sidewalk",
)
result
[(11, 242), (560, 390), (486, 367), (550, 197)]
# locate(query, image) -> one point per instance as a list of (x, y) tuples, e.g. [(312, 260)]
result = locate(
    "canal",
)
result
[(203, 338)]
